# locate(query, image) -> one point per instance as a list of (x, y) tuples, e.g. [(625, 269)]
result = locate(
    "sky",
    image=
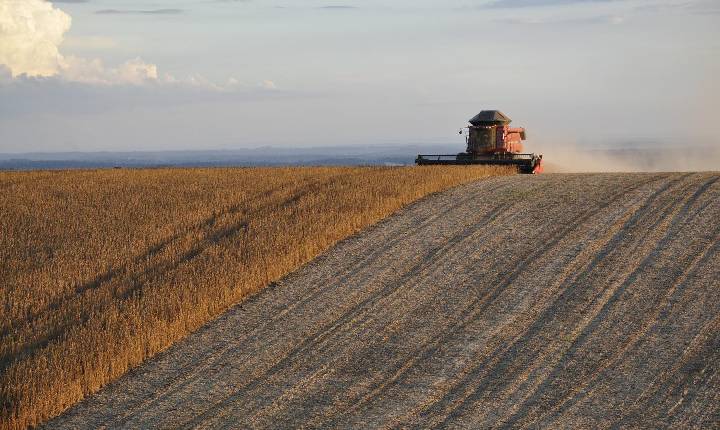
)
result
[(127, 75)]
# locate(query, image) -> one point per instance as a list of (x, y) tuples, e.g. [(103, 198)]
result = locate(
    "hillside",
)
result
[(102, 269), (555, 301)]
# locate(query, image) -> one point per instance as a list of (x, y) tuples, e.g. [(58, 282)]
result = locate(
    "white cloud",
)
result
[(135, 72), (30, 33), (268, 85)]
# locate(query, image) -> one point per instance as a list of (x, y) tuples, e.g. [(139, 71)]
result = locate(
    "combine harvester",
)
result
[(490, 141)]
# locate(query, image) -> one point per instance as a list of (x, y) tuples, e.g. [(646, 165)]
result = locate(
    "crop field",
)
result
[(100, 270), (552, 301)]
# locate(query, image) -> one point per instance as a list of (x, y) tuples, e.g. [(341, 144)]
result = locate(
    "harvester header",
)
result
[(490, 141)]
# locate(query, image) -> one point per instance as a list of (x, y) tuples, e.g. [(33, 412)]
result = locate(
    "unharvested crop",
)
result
[(100, 270)]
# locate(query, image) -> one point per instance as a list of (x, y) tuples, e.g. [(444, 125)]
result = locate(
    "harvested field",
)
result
[(100, 270), (571, 301)]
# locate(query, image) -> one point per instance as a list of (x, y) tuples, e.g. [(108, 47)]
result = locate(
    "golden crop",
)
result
[(100, 270)]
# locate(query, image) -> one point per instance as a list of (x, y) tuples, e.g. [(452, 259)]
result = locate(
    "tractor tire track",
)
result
[(476, 307), (638, 335), (581, 301), (445, 260)]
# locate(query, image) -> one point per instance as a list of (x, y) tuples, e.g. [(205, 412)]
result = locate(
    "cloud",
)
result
[(554, 21), (268, 85), (139, 12), (537, 3), (136, 72), (30, 33)]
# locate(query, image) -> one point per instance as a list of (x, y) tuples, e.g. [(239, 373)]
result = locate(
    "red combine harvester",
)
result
[(490, 141)]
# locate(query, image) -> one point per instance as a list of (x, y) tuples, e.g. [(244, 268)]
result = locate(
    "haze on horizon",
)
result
[(111, 75)]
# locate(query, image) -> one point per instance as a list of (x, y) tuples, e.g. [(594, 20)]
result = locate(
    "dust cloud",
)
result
[(570, 158)]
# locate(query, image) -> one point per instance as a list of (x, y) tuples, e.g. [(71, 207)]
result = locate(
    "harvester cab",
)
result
[(490, 141)]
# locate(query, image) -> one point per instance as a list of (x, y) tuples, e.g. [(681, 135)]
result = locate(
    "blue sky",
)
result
[(207, 74)]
